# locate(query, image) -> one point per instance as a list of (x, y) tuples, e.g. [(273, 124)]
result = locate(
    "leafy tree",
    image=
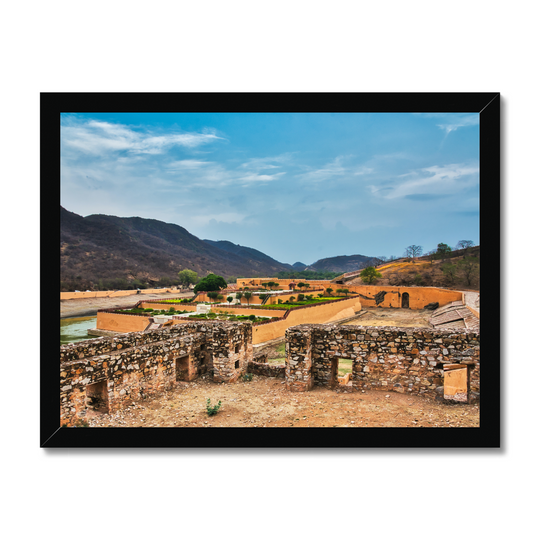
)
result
[(239, 296), (188, 277), (370, 275), (443, 250), (247, 296), (229, 299), (329, 291), (210, 283)]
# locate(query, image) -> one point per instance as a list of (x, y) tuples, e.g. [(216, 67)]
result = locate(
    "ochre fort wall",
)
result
[(112, 294)]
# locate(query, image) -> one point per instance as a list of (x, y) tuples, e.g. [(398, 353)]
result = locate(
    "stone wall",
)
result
[(260, 366), (106, 374), (406, 360)]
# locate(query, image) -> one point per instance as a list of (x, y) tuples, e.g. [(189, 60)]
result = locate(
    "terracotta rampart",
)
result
[(106, 374), (265, 331), (311, 314), (374, 295), (405, 360), (120, 322), (418, 297), (112, 294)]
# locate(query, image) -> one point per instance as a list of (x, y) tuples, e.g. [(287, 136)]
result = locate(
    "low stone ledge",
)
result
[(267, 370)]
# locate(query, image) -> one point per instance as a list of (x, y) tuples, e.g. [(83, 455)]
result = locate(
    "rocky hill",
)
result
[(342, 263), (100, 250)]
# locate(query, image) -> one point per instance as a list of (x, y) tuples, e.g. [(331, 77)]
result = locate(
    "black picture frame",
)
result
[(488, 435)]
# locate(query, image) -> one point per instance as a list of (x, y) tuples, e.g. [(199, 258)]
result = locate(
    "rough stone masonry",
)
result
[(385, 358), (106, 374)]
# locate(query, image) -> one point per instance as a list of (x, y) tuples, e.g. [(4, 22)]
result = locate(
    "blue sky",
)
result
[(298, 187)]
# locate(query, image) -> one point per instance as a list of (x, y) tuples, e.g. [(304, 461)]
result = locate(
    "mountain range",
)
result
[(102, 247)]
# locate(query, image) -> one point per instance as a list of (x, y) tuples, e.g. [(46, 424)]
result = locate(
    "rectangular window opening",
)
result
[(344, 370)]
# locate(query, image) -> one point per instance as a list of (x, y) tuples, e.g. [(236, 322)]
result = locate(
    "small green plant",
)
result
[(247, 377), (211, 410)]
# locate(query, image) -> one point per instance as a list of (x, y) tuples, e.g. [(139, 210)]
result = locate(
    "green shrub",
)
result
[(247, 377), (252, 317), (211, 410)]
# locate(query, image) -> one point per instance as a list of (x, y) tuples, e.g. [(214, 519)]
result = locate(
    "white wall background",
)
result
[(298, 46)]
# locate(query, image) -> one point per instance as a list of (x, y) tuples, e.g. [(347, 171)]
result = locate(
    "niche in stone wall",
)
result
[(405, 300), (97, 397), (182, 368)]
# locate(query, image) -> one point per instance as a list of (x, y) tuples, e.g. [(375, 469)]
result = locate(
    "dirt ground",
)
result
[(82, 307), (265, 402), (393, 317)]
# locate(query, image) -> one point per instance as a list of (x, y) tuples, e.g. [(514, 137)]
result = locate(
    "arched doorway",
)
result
[(405, 300)]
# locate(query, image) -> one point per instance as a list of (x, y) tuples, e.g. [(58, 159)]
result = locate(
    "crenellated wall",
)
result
[(413, 360)]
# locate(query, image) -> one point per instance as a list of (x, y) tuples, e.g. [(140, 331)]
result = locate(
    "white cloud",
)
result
[(97, 137), (327, 172), (435, 180), (453, 121), (186, 164)]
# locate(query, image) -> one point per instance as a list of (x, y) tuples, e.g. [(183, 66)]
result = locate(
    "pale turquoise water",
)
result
[(75, 329)]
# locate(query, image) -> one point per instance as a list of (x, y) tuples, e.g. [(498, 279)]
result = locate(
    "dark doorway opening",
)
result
[(182, 368), (97, 397)]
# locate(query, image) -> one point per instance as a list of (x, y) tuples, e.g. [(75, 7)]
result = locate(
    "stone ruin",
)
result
[(443, 364), (106, 374)]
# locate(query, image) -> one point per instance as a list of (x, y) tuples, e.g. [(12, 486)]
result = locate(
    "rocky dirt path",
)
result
[(265, 402), (82, 307)]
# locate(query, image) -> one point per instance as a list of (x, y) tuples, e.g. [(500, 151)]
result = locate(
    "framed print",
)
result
[(276, 270)]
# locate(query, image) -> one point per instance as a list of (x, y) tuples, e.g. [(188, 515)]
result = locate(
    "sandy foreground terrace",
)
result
[(265, 402)]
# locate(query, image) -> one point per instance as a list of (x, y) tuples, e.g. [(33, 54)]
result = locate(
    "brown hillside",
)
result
[(460, 269)]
